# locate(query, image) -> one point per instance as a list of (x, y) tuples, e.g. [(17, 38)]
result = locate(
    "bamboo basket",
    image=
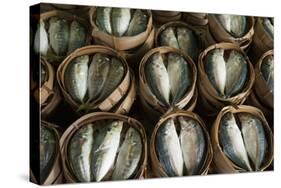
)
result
[(51, 56), (90, 118), (147, 94), (161, 17), (119, 43), (222, 163), (158, 170), (261, 89), (114, 98), (221, 35), (210, 101), (196, 19)]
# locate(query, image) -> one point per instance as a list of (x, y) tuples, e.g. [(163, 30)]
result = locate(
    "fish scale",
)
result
[(138, 23), (268, 26), (233, 24), (77, 36), (168, 38), (267, 69), (41, 40), (120, 20), (103, 19)]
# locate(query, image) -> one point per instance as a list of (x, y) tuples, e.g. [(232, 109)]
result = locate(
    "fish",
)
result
[(120, 20), (98, 73), (254, 138), (41, 40), (237, 73), (268, 26), (48, 149), (216, 69), (115, 75), (188, 42), (193, 145), (267, 69), (158, 78), (77, 36), (75, 77), (232, 143), (79, 150), (104, 156), (168, 38), (225, 20), (43, 73), (179, 76), (59, 35), (238, 25), (103, 15), (169, 149), (129, 155), (138, 23)]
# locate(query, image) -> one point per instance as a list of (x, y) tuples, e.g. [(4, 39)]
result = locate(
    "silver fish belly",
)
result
[(98, 72), (237, 73), (103, 19), (232, 143), (225, 21), (168, 38), (267, 69), (104, 155), (76, 78), (41, 40), (192, 144), (120, 20), (238, 25), (179, 76), (77, 36), (158, 78), (254, 138), (169, 149), (80, 147), (216, 69), (138, 23), (59, 35), (129, 156)]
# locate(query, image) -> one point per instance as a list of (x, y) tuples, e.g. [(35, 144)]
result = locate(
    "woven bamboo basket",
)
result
[(91, 118), (222, 163), (157, 168), (210, 101), (147, 94), (119, 43), (221, 35), (51, 56), (261, 89), (114, 98), (161, 17), (197, 19)]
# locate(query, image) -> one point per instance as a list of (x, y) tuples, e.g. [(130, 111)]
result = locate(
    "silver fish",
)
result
[(225, 20), (158, 78), (138, 23), (41, 40), (192, 144), (179, 76), (76, 78), (129, 156), (120, 20), (238, 25), (98, 72), (254, 138), (43, 73), (216, 69), (168, 38), (169, 149), (267, 69), (104, 155), (80, 147), (115, 75), (237, 73), (103, 19), (47, 151), (59, 35), (232, 143), (268, 26), (77, 36), (188, 42)]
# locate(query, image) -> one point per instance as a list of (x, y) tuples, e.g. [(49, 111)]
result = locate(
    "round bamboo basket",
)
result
[(261, 89), (161, 17), (120, 43), (114, 98), (211, 102), (222, 163), (157, 168), (221, 35), (91, 118), (147, 94), (197, 19)]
